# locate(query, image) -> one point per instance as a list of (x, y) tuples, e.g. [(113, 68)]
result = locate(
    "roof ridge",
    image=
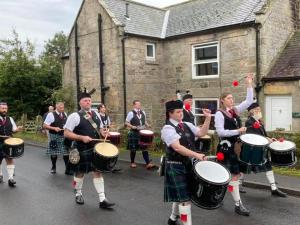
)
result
[(180, 3), (143, 4)]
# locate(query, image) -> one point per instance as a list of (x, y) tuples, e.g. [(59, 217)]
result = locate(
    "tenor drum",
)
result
[(105, 156), (209, 184), (13, 147), (203, 144), (254, 149), (115, 138), (282, 153), (146, 137)]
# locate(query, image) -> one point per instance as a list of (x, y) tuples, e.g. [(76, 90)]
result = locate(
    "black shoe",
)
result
[(53, 170), (116, 169), (172, 222), (242, 189), (279, 193), (241, 210), (106, 204), (79, 199), (12, 183), (1, 179)]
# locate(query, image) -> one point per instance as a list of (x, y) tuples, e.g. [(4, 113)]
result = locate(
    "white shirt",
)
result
[(14, 126), (169, 134), (219, 118), (74, 120), (130, 115), (50, 117)]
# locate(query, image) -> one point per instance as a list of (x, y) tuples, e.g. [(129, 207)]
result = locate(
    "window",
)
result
[(205, 61), (209, 103), (150, 51), (95, 105)]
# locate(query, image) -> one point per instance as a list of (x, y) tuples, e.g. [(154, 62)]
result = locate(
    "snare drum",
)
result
[(203, 144), (115, 138), (13, 147), (146, 137), (254, 151), (282, 153), (209, 184), (105, 156)]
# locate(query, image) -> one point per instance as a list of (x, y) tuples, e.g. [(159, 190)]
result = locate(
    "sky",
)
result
[(39, 20)]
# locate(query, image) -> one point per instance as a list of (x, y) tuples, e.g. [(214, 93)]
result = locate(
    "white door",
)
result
[(278, 112)]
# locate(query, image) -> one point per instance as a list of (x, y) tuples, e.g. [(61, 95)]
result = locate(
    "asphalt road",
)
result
[(42, 199)]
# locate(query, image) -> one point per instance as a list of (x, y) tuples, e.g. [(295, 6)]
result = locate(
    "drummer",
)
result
[(188, 115), (136, 121), (180, 140), (83, 127), (55, 122), (228, 128), (7, 128), (255, 125)]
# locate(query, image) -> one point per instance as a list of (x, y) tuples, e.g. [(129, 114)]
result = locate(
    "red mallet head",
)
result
[(230, 188), (256, 125), (281, 139), (187, 106), (235, 83), (220, 156)]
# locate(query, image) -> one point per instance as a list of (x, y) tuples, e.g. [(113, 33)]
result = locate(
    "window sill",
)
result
[(151, 62), (205, 77)]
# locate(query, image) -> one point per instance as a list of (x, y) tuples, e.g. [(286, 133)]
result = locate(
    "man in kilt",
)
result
[(7, 128), (255, 125), (136, 121), (83, 127), (54, 123), (180, 140)]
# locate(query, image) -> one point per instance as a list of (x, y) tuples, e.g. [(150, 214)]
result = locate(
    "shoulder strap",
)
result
[(91, 121)]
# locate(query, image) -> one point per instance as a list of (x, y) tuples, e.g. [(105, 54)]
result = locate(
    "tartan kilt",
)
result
[(256, 168), (85, 163), (133, 141), (56, 145), (177, 183)]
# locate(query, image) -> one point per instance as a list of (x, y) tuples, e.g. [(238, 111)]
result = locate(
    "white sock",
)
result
[(271, 179), (78, 185), (10, 171), (1, 173), (185, 214), (99, 185), (241, 179), (235, 192), (175, 211)]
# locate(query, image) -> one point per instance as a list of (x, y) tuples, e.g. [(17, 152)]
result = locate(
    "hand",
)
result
[(57, 129), (273, 139), (242, 130), (206, 112), (249, 79), (19, 128), (133, 127), (86, 139), (200, 156)]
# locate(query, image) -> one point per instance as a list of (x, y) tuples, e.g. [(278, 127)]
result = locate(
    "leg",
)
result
[(274, 190), (175, 214), (234, 189), (78, 182), (99, 186), (185, 213), (10, 171), (241, 180), (149, 165), (1, 172), (66, 161), (53, 161), (132, 158)]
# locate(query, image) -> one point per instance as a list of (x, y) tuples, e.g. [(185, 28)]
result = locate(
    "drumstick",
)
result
[(3, 136), (99, 140), (106, 135)]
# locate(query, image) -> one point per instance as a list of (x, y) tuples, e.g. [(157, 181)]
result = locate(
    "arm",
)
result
[(128, 119), (14, 126), (204, 128), (49, 120), (249, 98), (186, 152)]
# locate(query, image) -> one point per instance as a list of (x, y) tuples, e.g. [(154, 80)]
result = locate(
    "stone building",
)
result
[(127, 50)]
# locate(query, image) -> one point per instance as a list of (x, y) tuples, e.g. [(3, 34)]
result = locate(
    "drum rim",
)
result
[(210, 182), (114, 133), (286, 150), (141, 132), (282, 151), (14, 144), (118, 151), (253, 144)]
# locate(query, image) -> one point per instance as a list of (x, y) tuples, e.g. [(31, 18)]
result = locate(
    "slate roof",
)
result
[(188, 17), (287, 66)]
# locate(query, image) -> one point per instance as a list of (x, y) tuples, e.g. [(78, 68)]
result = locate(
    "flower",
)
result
[(256, 125), (235, 83)]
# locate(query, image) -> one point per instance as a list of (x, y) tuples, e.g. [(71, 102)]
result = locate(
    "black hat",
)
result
[(253, 106), (3, 103), (171, 105), (84, 94), (187, 96)]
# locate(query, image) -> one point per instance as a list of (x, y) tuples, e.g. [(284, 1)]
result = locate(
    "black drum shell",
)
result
[(13, 151), (282, 158)]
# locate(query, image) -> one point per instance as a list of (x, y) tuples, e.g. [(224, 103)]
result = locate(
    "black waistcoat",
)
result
[(104, 120), (188, 117), (233, 123), (6, 128), (58, 122), (85, 128), (187, 140), (135, 121), (251, 130)]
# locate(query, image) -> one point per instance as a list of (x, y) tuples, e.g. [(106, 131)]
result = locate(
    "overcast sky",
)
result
[(39, 20)]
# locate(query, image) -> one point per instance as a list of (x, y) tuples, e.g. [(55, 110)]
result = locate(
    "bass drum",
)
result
[(105, 156), (209, 184), (282, 153)]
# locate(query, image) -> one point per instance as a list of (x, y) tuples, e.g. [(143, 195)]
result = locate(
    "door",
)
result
[(278, 113)]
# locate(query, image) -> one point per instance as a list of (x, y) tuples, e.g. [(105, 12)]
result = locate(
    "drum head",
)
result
[(146, 132), (114, 133), (205, 137), (13, 141), (106, 149), (254, 139), (282, 146), (212, 172)]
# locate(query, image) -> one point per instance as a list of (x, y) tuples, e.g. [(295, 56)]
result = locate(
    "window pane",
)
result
[(207, 69), (200, 121), (150, 51), (208, 104), (206, 53)]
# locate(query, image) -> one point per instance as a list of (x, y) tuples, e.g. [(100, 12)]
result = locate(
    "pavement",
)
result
[(44, 199), (288, 184)]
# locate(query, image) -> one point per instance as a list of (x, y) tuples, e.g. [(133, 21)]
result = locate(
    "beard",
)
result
[(257, 116)]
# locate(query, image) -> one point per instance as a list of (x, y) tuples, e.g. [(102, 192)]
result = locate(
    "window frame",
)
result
[(199, 62), (152, 58)]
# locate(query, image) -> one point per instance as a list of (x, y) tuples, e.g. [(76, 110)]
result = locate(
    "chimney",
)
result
[(127, 11)]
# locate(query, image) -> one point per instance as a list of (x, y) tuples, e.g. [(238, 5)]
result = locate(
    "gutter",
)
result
[(77, 64), (259, 85), (124, 76)]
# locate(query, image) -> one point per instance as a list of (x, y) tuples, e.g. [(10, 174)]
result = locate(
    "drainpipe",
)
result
[(259, 85), (103, 88), (124, 77), (77, 64)]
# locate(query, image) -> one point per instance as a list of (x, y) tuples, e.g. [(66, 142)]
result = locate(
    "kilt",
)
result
[(2, 155), (177, 182), (133, 140), (256, 168), (56, 145), (85, 163)]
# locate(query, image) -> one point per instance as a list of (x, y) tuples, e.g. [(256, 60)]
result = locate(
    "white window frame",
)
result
[(205, 45), (95, 105), (203, 99), (154, 51)]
